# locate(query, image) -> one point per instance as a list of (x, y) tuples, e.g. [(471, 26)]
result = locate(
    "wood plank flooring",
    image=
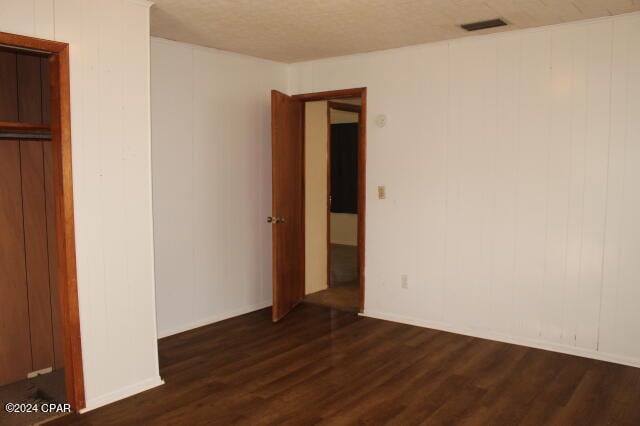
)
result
[(322, 366), (342, 296)]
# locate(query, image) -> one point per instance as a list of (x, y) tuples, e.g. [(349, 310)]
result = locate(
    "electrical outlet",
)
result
[(404, 281)]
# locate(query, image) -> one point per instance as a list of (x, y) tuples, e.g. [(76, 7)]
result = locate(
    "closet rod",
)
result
[(13, 48), (44, 136)]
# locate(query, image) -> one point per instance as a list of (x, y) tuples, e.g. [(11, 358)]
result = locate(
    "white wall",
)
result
[(315, 196), (211, 182), (344, 228), (340, 116), (511, 163), (109, 67)]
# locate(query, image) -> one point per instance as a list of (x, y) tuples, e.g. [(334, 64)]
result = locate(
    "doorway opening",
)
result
[(39, 318), (331, 196), (313, 195)]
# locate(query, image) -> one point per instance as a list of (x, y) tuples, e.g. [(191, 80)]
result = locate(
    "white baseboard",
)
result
[(210, 320), (500, 337), (125, 392)]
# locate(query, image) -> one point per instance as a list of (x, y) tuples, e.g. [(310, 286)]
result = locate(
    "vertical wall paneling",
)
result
[(502, 241), (28, 17), (15, 344), (558, 186), (51, 244), (173, 192), (211, 182), (8, 87), (137, 186), (538, 166), (23, 98), (36, 253), (592, 219), (110, 137), (44, 85), (531, 178), (29, 89), (111, 181), (618, 327)]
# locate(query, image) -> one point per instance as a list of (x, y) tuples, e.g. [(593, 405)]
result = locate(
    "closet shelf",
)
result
[(15, 127), (14, 130)]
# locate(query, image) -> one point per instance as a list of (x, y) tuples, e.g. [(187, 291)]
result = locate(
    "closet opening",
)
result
[(39, 320)]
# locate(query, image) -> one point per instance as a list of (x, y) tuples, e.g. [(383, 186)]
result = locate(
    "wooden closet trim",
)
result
[(57, 54)]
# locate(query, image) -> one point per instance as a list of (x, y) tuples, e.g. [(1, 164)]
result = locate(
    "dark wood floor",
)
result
[(343, 296), (321, 366)]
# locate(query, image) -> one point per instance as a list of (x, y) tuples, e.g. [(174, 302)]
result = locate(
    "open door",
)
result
[(288, 202)]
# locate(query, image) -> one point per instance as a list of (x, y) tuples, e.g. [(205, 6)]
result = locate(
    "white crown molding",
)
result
[(146, 3)]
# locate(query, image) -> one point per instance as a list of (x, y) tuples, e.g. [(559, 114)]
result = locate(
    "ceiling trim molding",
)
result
[(146, 3)]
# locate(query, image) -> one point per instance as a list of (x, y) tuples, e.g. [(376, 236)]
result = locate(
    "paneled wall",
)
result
[(511, 163), (110, 119), (211, 182), (30, 333)]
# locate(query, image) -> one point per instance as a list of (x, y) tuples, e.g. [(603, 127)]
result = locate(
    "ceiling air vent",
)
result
[(483, 25)]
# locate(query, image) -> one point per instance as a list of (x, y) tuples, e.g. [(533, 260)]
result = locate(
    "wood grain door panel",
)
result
[(36, 253), (15, 345), (56, 321), (288, 202), (8, 87), (29, 89)]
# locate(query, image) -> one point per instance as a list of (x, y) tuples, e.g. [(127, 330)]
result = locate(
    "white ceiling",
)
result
[(299, 30)]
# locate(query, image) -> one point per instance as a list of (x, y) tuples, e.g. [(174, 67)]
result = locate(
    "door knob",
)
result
[(275, 219)]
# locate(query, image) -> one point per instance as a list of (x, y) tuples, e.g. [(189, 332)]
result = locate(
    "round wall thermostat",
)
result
[(381, 120)]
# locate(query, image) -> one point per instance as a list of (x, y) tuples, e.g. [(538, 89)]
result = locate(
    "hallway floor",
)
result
[(343, 293), (343, 296)]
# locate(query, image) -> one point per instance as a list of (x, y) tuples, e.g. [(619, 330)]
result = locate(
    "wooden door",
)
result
[(288, 203)]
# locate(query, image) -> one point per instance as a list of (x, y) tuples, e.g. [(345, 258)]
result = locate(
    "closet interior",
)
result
[(31, 351)]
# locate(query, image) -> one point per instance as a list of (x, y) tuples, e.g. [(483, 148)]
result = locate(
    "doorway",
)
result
[(302, 251), (331, 195), (39, 318)]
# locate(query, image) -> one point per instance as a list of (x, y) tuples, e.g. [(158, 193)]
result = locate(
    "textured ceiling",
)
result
[(299, 30)]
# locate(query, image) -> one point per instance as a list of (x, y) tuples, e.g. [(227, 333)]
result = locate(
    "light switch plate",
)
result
[(382, 192)]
